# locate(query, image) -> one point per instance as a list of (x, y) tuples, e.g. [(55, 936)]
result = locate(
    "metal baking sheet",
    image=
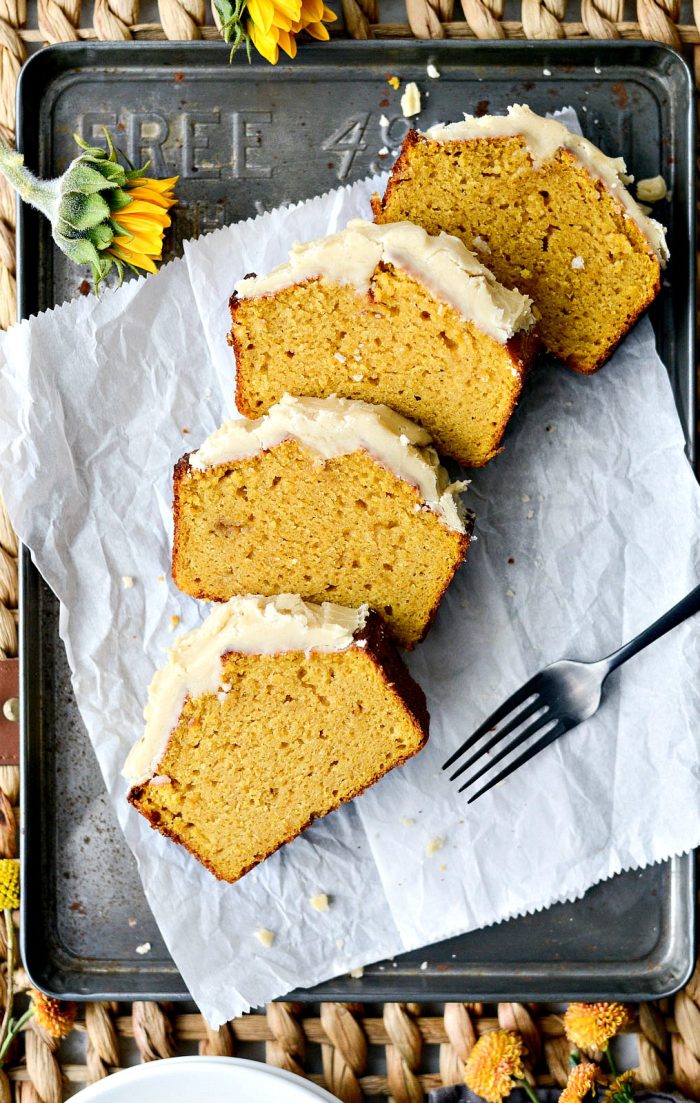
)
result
[(243, 139)]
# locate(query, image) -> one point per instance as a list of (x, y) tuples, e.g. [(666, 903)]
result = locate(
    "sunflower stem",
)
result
[(611, 1062), (528, 1088), (42, 194)]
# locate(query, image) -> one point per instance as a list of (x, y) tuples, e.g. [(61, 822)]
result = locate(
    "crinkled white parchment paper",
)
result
[(587, 528)]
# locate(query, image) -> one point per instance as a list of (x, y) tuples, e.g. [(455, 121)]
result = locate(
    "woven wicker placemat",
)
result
[(406, 1052)]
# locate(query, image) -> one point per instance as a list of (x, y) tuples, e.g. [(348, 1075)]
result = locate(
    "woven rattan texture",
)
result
[(348, 1038)]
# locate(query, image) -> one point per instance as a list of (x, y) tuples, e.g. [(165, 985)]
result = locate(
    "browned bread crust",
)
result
[(378, 646)]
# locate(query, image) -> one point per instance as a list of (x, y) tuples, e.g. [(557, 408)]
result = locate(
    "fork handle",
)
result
[(685, 608)]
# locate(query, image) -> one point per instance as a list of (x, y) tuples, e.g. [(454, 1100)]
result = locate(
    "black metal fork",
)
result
[(555, 700)]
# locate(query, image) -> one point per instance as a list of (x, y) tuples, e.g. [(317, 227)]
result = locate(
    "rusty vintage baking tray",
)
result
[(243, 139)]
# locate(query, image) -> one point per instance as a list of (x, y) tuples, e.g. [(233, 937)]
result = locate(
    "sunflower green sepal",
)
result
[(81, 204)]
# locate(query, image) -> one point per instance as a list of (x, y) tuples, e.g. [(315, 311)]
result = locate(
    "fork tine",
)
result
[(516, 699), (546, 739), (517, 720), (521, 738)]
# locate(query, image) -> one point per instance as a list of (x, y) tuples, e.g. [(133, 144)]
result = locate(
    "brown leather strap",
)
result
[(9, 712)]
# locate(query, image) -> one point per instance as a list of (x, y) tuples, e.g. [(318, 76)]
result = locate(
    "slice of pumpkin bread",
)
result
[(329, 498), (269, 715), (390, 315), (550, 215)]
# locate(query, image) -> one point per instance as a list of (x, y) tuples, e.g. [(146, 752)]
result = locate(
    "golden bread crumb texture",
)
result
[(551, 229), (343, 529), (396, 344), (292, 736)]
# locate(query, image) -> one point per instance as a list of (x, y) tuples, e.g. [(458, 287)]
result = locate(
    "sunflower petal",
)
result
[(262, 14), (138, 219), (288, 43), (318, 30), (265, 44), (135, 261), (157, 200), (312, 11), (159, 185)]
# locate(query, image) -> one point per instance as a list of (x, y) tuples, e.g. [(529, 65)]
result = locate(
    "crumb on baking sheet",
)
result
[(144, 948), (394, 82), (357, 973), (319, 902), (433, 845), (432, 72), (265, 937), (652, 189), (127, 582), (410, 100)]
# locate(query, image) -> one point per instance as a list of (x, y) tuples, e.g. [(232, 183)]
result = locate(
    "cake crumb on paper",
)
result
[(265, 937), (127, 582), (340, 942), (394, 82), (160, 578), (652, 189), (174, 621), (357, 973), (432, 72), (410, 101), (443, 867), (433, 845), (578, 263), (319, 902), (144, 948), (408, 821)]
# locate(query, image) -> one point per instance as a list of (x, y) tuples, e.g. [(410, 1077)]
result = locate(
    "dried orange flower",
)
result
[(495, 1065), (55, 1017), (9, 883), (622, 1088), (582, 1080), (592, 1025)]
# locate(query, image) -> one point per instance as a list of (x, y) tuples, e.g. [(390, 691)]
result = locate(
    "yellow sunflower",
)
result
[(102, 212), (141, 225), (273, 25)]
